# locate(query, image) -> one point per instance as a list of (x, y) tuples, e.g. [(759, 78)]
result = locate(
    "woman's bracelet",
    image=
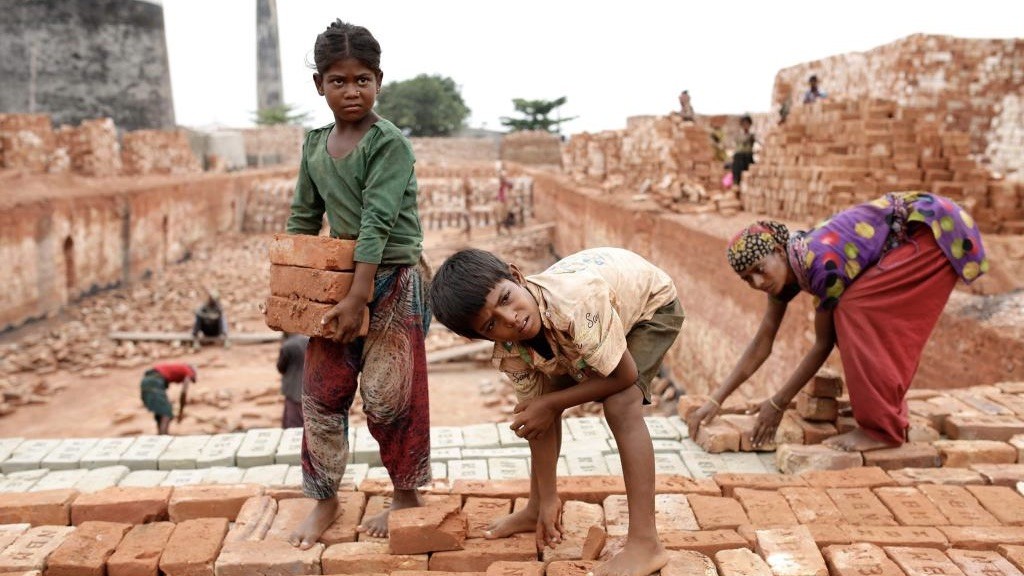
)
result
[(715, 402), (771, 401)]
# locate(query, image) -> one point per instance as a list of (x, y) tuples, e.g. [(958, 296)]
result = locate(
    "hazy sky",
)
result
[(611, 60)]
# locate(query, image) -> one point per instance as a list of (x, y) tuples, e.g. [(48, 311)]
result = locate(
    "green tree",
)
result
[(283, 114), (425, 105), (537, 115)]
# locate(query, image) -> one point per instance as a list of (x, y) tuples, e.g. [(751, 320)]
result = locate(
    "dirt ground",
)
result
[(110, 406), (93, 390)]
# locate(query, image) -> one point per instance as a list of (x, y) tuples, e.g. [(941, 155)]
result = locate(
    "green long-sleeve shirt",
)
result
[(369, 195)]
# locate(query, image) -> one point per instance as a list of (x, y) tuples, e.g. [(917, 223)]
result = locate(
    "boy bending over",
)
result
[(592, 327)]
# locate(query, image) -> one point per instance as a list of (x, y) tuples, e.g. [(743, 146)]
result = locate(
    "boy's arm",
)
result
[(535, 415), (544, 462), (349, 312)]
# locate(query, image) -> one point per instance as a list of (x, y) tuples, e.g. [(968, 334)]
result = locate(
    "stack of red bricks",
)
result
[(26, 141), (92, 147), (838, 153), (653, 154), (532, 147), (837, 523), (158, 152), (965, 83), (275, 145), (268, 205), (308, 275)]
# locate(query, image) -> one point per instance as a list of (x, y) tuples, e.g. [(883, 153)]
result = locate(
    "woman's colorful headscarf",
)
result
[(755, 242)]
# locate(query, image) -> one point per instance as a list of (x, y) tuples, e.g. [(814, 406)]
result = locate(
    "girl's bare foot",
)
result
[(318, 519), (377, 526), (856, 440), (524, 520), (635, 559)]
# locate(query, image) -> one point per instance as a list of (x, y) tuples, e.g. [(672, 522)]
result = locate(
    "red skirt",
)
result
[(882, 322)]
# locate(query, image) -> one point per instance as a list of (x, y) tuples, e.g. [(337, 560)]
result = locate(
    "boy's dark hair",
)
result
[(460, 287), (746, 118), (343, 40)]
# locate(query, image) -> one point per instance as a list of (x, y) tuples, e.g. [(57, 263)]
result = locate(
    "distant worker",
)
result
[(290, 362), (154, 391), (814, 93), (505, 216), (743, 157), (685, 108), (467, 206), (210, 321)]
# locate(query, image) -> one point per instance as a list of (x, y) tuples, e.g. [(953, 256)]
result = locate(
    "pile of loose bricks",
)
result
[(656, 154), (836, 522), (308, 275), (837, 153)]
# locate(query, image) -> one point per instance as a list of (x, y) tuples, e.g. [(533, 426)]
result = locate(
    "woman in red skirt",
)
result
[(881, 273)]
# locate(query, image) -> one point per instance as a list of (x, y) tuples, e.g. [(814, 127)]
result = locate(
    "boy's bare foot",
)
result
[(856, 440), (635, 559), (377, 525), (524, 520), (318, 519)]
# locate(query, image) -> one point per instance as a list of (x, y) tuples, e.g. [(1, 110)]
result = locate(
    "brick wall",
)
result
[(533, 147), (69, 244), (454, 150)]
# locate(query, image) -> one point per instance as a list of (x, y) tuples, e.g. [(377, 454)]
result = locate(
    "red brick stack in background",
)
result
[(837, 153), (661, 155), (158, 152), (25, 141), (308, 275)]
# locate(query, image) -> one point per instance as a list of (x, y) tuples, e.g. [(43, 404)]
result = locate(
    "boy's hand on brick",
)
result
[(343, 321), (533, 418), (549, 524)]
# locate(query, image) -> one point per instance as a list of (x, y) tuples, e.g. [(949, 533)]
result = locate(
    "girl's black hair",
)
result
[(343, 40), (460, 287)]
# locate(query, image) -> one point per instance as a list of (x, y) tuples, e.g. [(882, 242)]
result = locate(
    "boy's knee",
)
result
[(624, 404)]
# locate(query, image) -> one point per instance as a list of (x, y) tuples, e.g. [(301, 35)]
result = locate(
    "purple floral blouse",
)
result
[(827, 258)]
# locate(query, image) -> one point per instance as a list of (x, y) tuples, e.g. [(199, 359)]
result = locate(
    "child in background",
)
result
[(154, 391), (592, 327), (359, 171)]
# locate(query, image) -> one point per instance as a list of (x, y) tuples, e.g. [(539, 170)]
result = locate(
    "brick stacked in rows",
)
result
[(660, 155), (268, 205), (532, 147), (29, 142), (825, 523), (970, 85), (308, 275), (158, 152), (837, 153)]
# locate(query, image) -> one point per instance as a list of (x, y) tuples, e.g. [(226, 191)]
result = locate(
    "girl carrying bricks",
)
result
[(358, 170), (880, 273)]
